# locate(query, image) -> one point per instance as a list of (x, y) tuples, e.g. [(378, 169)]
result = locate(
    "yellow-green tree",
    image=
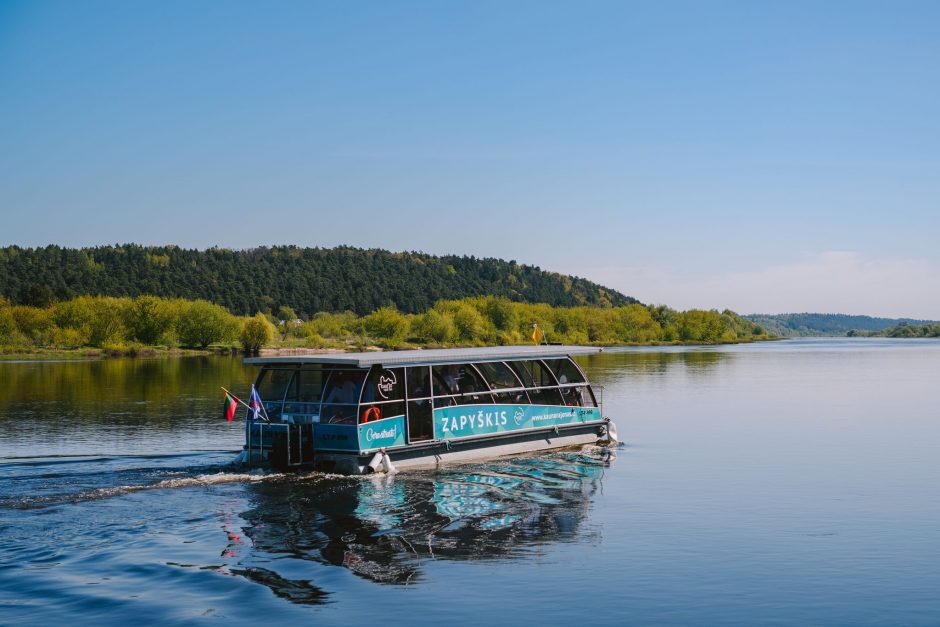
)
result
[(434, 326), (387, 325), (97, 319), (35, 323), (149, 319), (200, 323), (7, 324), (255, 333)]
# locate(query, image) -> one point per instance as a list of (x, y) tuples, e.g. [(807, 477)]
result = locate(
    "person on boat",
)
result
[(343, 394), (452, 376)]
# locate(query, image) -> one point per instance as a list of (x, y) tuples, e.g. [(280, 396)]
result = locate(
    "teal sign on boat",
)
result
[(371, 435), (382, 433), (468, 420)]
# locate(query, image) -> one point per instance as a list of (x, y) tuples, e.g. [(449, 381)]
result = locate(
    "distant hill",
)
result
[(306, 279), (908, 330), (816, 324)]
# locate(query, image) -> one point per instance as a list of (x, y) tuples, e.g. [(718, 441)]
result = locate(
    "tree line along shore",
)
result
[(146, 324), (306, 279), (903, 330)]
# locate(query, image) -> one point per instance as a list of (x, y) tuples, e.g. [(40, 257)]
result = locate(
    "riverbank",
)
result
[(100, 326), (157, 352)]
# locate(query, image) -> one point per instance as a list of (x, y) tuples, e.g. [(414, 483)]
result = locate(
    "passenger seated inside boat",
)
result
[(342, 397)]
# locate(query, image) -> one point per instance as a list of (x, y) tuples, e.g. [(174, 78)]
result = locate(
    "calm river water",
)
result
[(794, 482)]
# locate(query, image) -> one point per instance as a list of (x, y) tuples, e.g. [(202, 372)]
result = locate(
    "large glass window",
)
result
[(308, 385), (371, 412), (565, 371), (383, 394), (419, 382), (463, 381), (524, 374), (341, 396), (273, 382), (445, 380), (501, 377), (420, 419), (303, 396), (338, 414), (579, 396), (272, 385), (344, 386), (498, 375), (384, 385), (536, 375)]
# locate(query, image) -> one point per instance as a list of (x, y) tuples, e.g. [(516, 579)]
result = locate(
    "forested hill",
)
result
[(307, 279), (816, 324)]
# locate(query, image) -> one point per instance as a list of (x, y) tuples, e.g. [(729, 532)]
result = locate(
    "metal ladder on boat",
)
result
[(282, 434)]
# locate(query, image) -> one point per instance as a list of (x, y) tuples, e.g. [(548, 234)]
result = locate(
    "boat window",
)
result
[(379, 411), (516, 397), (539, 374), (445, 384), (338, 414), (344, 387), (501, 377), (307, 386), (445, 380), (272, 383), (565, 371), (420, 418), (419, 382), (578, 396), (473, 389), (303, 395), (459, 379), (522, 372), (384, 385), (445, 401), (536, 375), (498, 375)]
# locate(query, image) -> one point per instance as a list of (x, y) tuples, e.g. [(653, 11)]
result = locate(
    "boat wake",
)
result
[(31, 482)]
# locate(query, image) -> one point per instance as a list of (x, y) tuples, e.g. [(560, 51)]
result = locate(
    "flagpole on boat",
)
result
[(236, 398), (264, 410)]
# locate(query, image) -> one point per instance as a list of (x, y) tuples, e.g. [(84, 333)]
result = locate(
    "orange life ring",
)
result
[(372, 413)]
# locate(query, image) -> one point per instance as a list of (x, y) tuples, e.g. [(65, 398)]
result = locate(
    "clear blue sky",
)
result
[(759, 156)]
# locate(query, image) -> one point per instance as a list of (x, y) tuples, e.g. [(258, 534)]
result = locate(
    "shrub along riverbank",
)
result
[(118, 326)]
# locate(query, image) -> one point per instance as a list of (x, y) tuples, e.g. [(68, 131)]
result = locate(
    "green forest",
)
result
[(904, 329), (817, 324), (307, 280), (132, 325)]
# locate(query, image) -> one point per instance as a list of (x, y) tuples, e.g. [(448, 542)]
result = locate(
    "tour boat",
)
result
[(357, 413)]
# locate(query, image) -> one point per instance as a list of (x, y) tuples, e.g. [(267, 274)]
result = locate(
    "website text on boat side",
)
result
[(357, 413)]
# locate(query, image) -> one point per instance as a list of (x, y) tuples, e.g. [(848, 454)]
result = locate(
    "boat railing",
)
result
[(257, 443), (254, 443), (456, 398), (599, 396)]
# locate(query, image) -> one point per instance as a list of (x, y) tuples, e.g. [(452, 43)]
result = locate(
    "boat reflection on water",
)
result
[(382, 528)]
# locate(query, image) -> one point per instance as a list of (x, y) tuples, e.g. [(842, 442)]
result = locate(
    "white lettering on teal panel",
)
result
[(382, 433), (469, 420)]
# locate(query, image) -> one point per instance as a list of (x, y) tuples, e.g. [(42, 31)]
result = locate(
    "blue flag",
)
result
[(255, 404)]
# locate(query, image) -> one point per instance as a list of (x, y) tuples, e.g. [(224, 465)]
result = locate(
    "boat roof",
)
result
[(425, 357)]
